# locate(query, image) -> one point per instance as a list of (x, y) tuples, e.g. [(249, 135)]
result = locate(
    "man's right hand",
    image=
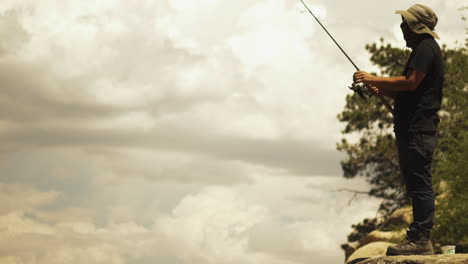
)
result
[(373, 89)]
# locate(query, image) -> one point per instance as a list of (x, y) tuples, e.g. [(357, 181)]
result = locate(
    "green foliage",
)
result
[(451, 167), (454, 112), (362, 229), (452, 211)]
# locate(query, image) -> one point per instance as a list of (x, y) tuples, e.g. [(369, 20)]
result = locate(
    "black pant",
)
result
[(415, 152)]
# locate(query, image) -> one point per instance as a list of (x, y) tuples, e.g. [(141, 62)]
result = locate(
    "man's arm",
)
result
[(392, 84), (379, 92)]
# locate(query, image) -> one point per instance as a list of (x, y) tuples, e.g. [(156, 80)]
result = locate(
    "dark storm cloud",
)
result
[(30, 93), (42, 109), (300, 157)]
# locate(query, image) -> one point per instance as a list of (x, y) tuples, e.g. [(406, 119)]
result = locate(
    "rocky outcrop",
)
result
[(369, 250), (391, 231), (434, 259), (377, 235), (371, 247)]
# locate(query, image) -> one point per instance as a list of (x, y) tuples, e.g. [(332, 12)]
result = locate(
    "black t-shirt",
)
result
[(416, 111)]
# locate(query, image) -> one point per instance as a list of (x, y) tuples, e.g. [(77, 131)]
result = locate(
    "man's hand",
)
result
[(374, 89), (363, 77)]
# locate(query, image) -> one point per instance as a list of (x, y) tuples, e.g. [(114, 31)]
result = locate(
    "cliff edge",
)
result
[(433, 259)]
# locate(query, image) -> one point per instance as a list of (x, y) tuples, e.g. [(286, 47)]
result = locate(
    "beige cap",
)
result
[(421, 19)]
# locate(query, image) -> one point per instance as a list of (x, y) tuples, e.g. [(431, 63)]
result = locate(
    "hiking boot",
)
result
[(414, 244)]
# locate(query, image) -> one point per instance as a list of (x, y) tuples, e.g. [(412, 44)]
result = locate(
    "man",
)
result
[(418, 96)]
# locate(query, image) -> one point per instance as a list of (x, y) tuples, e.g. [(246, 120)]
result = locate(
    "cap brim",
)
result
[(407, 15)]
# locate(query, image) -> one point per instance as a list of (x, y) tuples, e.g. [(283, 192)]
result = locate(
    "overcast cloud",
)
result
[(178, 131)]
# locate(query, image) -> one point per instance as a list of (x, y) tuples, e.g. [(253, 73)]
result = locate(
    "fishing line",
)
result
[(330, 36)]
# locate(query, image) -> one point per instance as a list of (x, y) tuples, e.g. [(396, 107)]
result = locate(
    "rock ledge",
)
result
[(434, 259)]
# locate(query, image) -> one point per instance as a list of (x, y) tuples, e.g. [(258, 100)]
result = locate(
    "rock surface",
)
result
[(377, 235), (370, 250), (393, 230), (434, 259)]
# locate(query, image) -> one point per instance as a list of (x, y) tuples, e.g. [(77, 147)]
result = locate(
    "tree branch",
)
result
[(355, 193)]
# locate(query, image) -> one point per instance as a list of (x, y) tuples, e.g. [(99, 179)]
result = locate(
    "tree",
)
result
[(452, 212), (451, 221)]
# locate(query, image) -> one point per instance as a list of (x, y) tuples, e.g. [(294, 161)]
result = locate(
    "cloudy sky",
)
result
[(178, 131)]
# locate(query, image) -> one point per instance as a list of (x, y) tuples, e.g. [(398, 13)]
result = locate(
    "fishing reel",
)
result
[(361, 89)]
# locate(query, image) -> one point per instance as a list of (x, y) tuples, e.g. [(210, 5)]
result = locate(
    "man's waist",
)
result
[(415, 131)]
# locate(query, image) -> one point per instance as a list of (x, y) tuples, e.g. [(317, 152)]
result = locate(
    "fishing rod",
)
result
[(354, 86)]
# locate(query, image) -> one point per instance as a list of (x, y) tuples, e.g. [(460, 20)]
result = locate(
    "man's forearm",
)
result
[(410, 82), (393, 84)]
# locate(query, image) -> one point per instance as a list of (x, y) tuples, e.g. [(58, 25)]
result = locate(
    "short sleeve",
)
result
[(423, 58)]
